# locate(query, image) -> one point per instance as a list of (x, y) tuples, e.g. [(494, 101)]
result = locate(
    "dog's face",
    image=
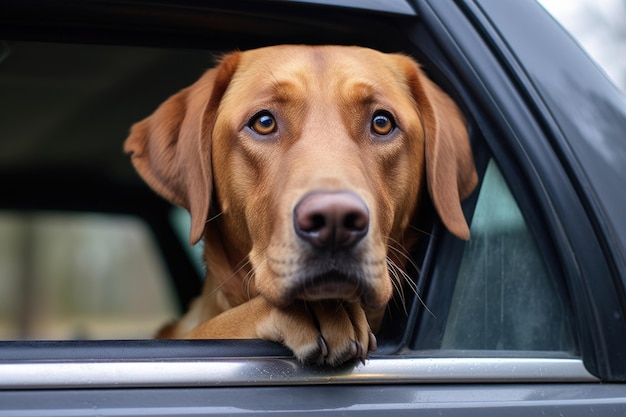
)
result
[(318, 142), (314, 160)]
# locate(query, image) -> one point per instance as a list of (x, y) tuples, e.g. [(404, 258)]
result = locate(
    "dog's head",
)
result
[(314, 160)]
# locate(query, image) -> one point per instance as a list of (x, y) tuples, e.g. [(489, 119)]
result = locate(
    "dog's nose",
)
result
[(331, 220)]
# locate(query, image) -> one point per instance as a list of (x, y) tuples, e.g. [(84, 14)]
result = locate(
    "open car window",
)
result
[(504, 296)]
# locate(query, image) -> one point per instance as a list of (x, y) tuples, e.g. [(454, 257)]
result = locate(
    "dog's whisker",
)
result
[(403, 276), (248, 280), (399, 272), (243, 263), (214, 217), (401, 298), (397, 283), (396, 280), (407, 278), (402, 252), (422, 231)]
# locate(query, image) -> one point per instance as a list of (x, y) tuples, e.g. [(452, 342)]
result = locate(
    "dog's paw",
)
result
[(323, 332)]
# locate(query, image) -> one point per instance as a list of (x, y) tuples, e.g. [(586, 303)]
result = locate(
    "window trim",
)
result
[(277, 371), (213, 363)]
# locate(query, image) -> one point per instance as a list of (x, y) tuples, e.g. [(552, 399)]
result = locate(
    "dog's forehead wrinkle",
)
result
[(318, 59), (368, 91), (314, 68), (270, 89), (268, 71)]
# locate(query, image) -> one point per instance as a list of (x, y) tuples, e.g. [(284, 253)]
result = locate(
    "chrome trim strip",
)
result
[(285, 371)]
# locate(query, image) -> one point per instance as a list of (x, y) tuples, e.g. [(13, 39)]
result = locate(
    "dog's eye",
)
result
[(263, 123), (383, 123)]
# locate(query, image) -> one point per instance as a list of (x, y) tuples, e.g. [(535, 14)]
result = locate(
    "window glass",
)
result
[(80, 276), (504, 297), (181, 223)]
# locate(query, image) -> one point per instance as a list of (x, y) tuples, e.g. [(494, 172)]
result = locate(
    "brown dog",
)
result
[(302, 168)]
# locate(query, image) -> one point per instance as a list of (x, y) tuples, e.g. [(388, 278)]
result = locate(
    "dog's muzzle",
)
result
[(331, 225)]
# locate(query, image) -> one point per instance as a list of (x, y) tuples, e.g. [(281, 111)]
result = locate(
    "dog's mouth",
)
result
[(331, 285)]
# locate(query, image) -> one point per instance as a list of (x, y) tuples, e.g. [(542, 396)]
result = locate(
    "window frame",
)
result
[(520, 131), (240, 363)]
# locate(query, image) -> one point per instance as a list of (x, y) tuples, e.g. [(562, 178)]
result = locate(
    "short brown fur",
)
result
[(241, 188)]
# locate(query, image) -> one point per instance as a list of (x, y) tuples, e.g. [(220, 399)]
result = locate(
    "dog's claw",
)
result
[(373, 344), (322, 342), (323, 347)]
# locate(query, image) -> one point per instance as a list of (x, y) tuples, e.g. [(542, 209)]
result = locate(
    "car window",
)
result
[(80, 276), (180, 220), (505, 297)]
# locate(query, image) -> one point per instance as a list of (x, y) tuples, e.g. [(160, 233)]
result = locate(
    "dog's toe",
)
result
[(344, 329), (321, 333), (312, 353)]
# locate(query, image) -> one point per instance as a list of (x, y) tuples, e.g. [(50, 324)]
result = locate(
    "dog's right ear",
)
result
[(171, 149)]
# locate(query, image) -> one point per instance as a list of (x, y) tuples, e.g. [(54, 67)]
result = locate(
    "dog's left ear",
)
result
[(171, 149), (450, 171)]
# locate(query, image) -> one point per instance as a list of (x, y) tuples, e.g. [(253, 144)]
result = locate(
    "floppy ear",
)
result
[(171, 148), (450, 171)]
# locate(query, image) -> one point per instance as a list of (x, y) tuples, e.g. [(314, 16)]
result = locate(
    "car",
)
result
[(526, 318)]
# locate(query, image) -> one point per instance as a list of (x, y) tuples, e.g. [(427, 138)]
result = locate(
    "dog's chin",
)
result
[(329, 286), (332, 285)]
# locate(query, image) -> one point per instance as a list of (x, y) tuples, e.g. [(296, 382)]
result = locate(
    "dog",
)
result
[(303, 169)]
